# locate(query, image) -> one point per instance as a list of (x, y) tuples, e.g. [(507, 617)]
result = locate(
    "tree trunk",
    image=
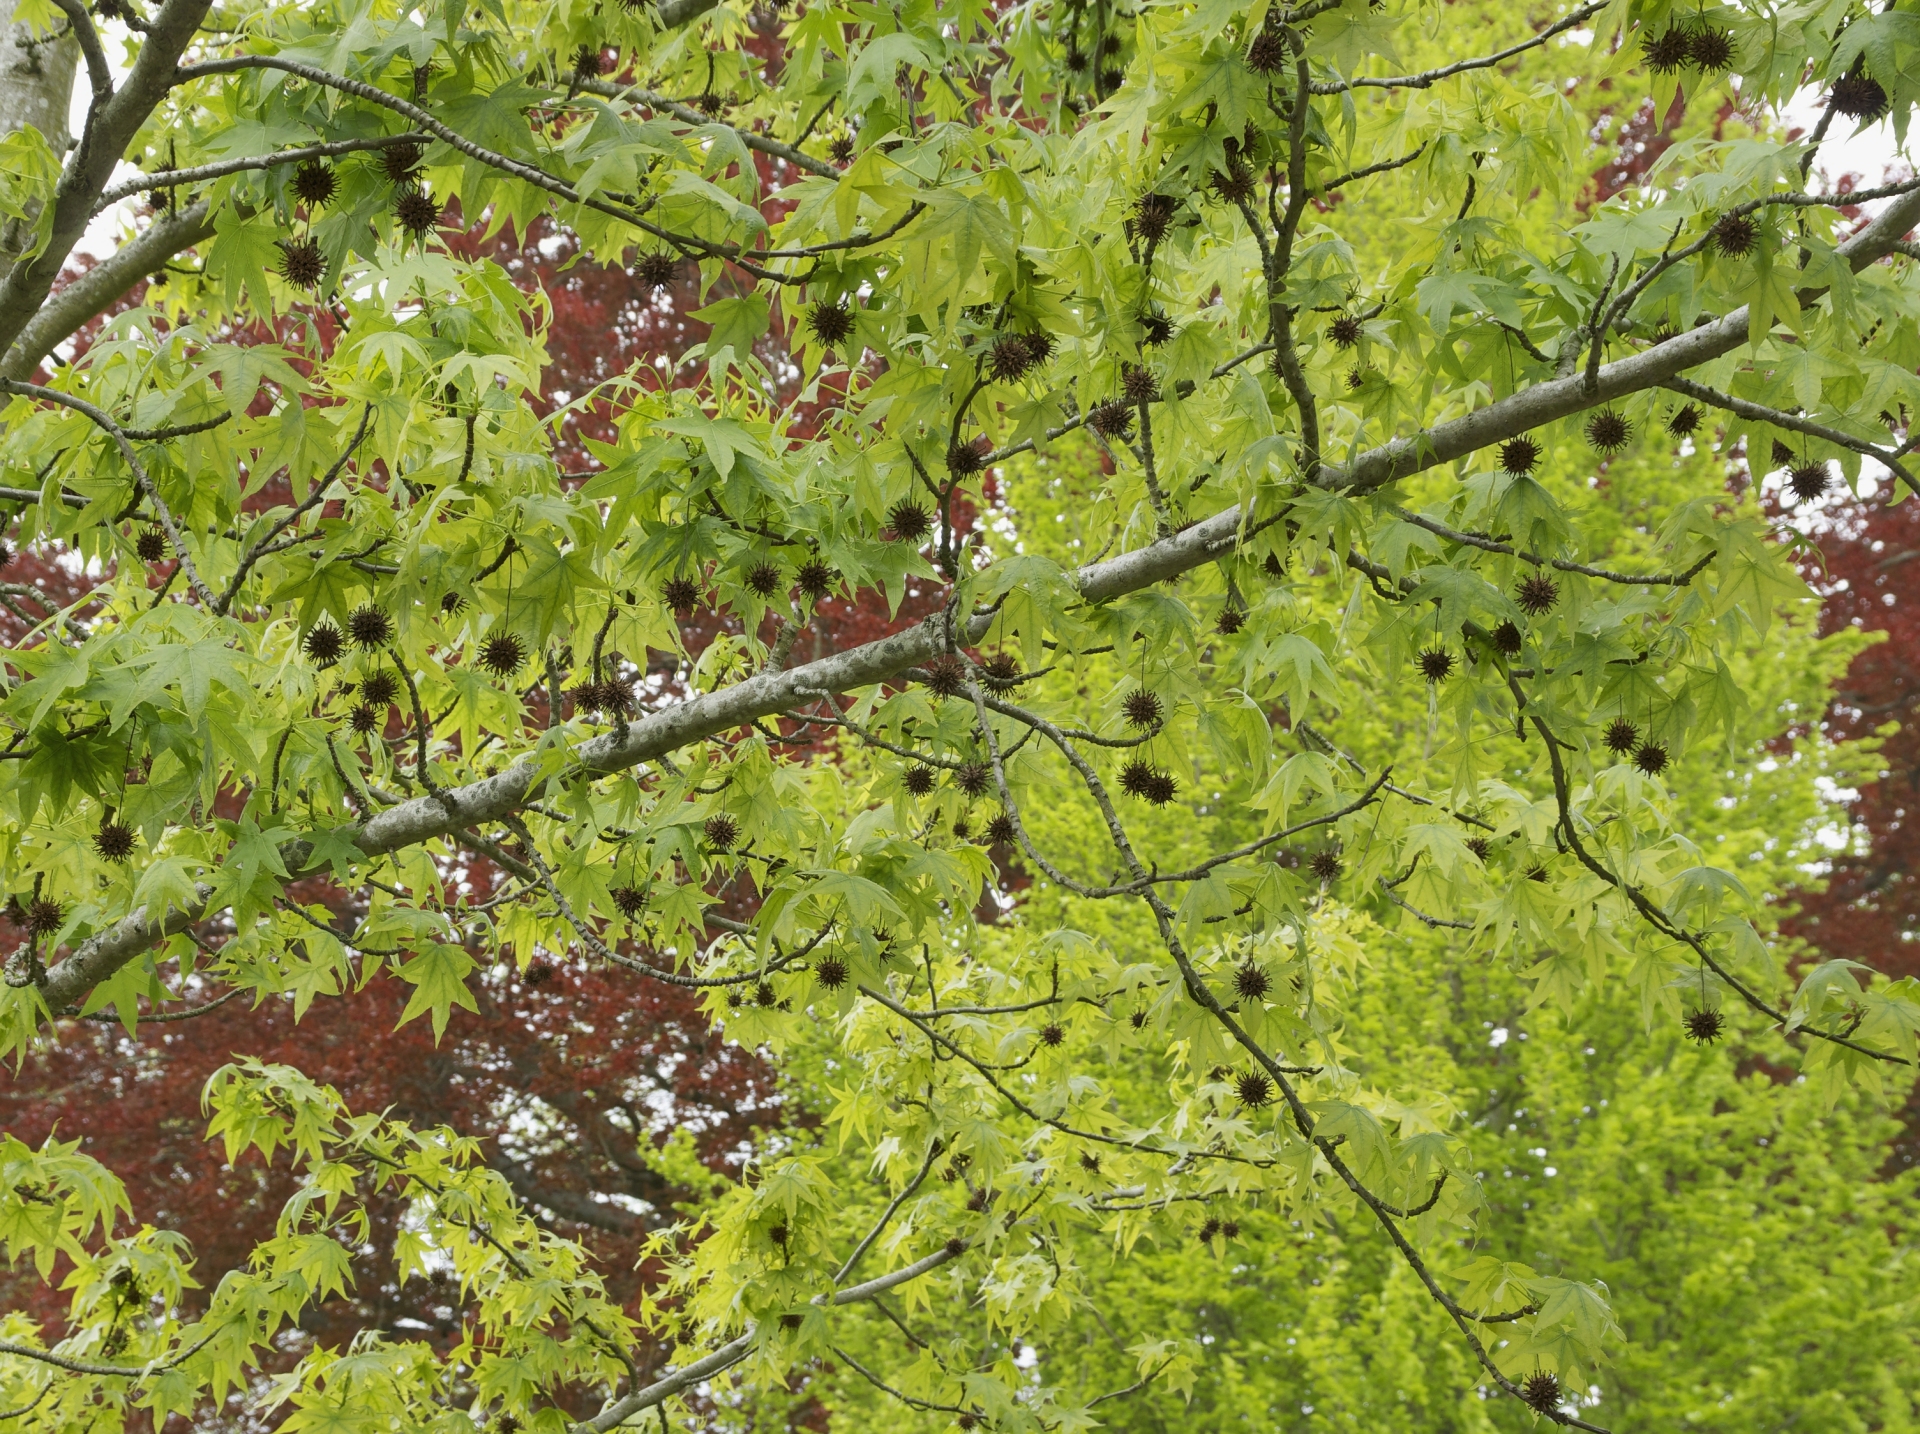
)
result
[(36, 80)]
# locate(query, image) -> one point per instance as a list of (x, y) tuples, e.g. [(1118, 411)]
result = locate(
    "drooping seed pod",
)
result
[(910, 521), (380, 689), (1209, 1228), (314, 183), (1436, 664), (364, 719), (1010, 358), (946, 676), (1621, 736), (1267, 54), (1859, 96), (918, 780), (1608, 431), (1001, 671), (416, 212), (1251, 983), (113, 840), (369, 627), (1810, 480), (721, 832), (830, 321), (1113, 419), (830, 972), (1541, 1392), (1325, 866), (1345, 330), (1052, 1035), (1040, 344), (1685, 420), (629, 901), (1138, 1020), (1000, 830), (1230, 621), (1668, 51), (1704, 1026), (1508, 639), (1734, 235), (1519, 456), (1143, 708), (841, 149), (1161, 788), (1651, 758), (323, 644), (44, 916), (658, 269), (1254, 1089), (503, 654), (1152, 215), (1136, 777), (1709, 50), (151, 545), (399, 161), (680, 593), (1235, 183), (1155, 329), (301, 262), (973, 778), (452, 603), (1139, 384), (763, 579), (1537, 594), (965, 459), (1480, 847), (586, 61), (815, 578)]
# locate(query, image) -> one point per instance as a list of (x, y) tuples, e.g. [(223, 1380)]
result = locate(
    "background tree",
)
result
[(1332, 533)]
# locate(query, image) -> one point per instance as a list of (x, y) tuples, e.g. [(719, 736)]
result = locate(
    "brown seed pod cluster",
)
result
[(629, 901), (1052, 1035), (815, 578), (1235, 183), (1155, 328), (1668, 52), (380, 689), (1710, 50), (658, 269), (1148, 783), (1859, 96), (1436, 664), (369, 627), (43, 916), (399, 161), (946, 676), (1152, 215), (1001, 670), (364, 719), (1704, 1026), (1230, 621), (1113, 419), (1480, 847), (1267, 55), (1000, 830), (830, 321), (841, 149), (452, 602), (588, 62), (503, 654), (1541, 1392), (323, 644), (1139, 384), (1519, 456), (1537, 594)]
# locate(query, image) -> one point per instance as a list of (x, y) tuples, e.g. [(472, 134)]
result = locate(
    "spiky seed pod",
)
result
[(946, 676), (792, 1321), (1782, 455), (1268, 53), (1139, 384), (380, 689), (1608, 432), (503, 654), (1136, 777), (1345, 330), (1155, 329), (1734, 235), (1507, 639), (763, 579), (1002, 671), (616, 698), (1621, 736), (1651, 758), (44, 916), (314, 183), (1000, 830), (1709, 50), (1229, 1229), (973, 778), (1536, 873), (1480, 847), (451, 603), (1809, 480), (1325, 866), (1144, 709), (1436, 664), (841, 149), (721, 831), (1272, 568), (680, 593), (586, 697), (964, 459), (962, 828), (586, 61), (1111, 420), (1076, 59), (1162, 787), (1519, 456), (1668, 51), (1040, 345), (1704, 1026), (815, 578), (1009, 358), (910, 521), (1250, 983), (830, 972), (1859, 96), (399, 161), (1356, 380), (364, 719), (416, 212), (1138, 1020), (1235, 183), (1230, 621), (918, 780), (1254, 1089), (1152, 214), (967, 1419), (709, 103), (369, 627), (1208, 1229), (1089, 1162), (323, 644), (1684, 421), (1537, 594), (1110, 45), (151, 545), (830, 321), (658, 269), (113, 840), (1051, 1035), (1541, 1392), (629, 901), (763, 996)]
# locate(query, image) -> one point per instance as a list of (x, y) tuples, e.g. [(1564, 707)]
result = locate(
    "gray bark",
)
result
[(36, 80)]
